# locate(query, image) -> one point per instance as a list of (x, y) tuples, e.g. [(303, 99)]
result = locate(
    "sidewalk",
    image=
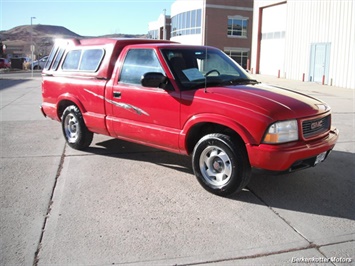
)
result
[(305, 86), (122, 203)]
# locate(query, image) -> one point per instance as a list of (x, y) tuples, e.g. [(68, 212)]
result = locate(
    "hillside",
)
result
[(43, 36), (40, 33)]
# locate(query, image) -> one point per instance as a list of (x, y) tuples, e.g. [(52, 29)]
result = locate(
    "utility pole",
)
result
[(32, 48)]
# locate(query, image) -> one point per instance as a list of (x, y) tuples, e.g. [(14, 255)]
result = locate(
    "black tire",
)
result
[(221, 164), (74, 129)]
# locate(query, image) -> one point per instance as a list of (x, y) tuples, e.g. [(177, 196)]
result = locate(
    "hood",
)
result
[(274, 102)]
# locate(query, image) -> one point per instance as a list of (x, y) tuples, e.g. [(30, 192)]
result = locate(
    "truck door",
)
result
[(142, 114)]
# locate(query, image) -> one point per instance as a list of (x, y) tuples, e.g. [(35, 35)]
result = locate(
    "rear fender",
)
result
[(65, 100)]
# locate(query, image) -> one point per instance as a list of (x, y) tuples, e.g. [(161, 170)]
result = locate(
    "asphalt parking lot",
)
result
[(122, 203)]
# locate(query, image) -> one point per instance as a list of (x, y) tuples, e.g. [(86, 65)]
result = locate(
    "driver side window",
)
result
[(137, 63)]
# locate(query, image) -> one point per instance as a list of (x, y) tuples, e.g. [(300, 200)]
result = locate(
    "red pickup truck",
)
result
[(191, 100)]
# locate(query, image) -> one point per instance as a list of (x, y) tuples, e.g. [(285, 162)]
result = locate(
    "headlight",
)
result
[(280, 132)]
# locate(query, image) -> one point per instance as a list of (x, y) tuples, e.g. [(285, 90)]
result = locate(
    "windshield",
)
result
[(198, 67)]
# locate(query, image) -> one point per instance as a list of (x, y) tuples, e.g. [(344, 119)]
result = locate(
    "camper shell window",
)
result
[(87, 60)]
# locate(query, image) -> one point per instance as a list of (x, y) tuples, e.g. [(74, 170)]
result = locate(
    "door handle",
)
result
[(116, 94)]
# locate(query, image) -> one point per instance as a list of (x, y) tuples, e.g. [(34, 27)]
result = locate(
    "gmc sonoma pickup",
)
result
[(191, 100)]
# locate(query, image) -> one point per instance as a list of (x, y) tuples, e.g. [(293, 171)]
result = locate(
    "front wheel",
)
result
[(74, 129), (221, 164)]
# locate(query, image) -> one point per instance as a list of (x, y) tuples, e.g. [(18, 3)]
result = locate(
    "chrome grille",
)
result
[(314, 127)]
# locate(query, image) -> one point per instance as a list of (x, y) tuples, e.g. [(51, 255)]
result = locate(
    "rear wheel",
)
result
[(221, 164), (74, 129)]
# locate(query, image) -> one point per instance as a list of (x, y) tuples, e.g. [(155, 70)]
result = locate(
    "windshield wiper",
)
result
[(204, 83), (240, 81), (211, 83)]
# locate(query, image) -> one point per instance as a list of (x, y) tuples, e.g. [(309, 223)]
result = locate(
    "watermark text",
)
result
[(321, 260)]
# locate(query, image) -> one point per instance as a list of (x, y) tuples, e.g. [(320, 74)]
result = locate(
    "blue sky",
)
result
[(87, 18)]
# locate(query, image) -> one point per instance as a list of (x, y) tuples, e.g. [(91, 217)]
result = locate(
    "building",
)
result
[(15, 49), (160, 29), (309, 40), (224, 24)]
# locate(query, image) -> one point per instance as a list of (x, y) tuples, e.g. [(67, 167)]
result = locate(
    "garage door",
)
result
[(272, 47)]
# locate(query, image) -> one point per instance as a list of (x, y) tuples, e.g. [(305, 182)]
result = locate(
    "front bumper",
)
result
[(291, 156)]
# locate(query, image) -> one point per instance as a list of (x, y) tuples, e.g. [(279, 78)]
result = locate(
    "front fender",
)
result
[(215, 119)]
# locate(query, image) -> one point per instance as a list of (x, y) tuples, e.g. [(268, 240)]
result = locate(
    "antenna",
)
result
[(205, 63)]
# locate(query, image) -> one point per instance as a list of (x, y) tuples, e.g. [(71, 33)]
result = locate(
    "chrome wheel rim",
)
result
[(215, 166), (71, 128)]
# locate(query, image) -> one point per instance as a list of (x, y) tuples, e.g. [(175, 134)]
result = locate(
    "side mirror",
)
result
[(154, 79)]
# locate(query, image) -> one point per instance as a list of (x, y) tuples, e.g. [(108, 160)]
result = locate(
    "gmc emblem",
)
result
[(317, 124)]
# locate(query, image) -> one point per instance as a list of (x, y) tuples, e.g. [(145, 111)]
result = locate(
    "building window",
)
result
[(273, 35), (237, 26), (153, 34), (186, 23), (239, 56)]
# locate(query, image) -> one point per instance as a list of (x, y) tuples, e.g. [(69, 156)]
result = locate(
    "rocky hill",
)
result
[(39, 33), (43, 36)]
